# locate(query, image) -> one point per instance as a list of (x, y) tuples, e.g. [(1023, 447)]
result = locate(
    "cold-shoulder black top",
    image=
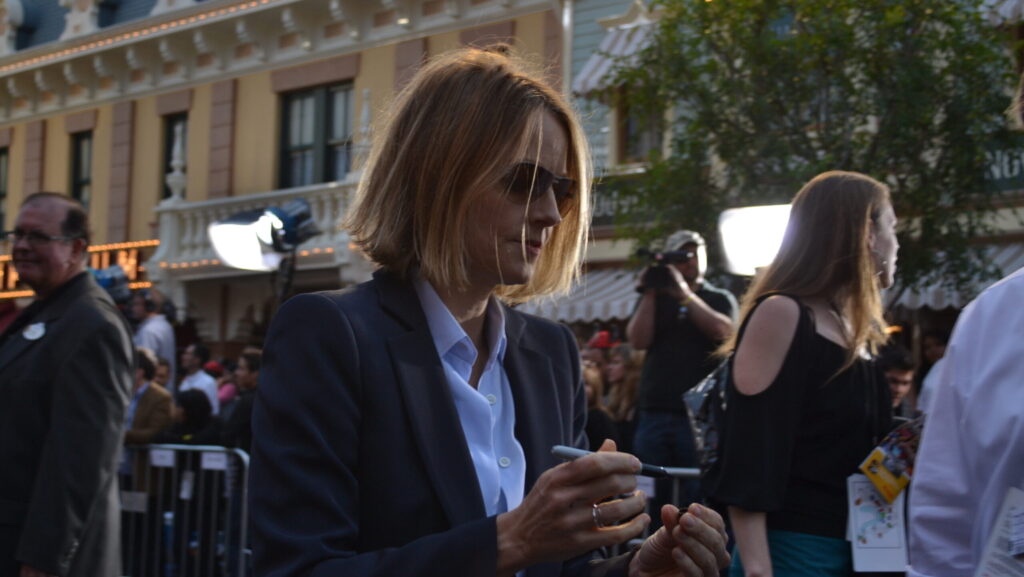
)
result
[(788, 450)]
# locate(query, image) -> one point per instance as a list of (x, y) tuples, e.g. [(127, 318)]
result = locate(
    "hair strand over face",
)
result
[(453, 133)]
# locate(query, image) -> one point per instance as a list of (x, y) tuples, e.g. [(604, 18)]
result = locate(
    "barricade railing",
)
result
[(680, 475), (184, 511)]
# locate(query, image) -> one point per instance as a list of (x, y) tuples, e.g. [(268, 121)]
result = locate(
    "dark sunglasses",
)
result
[(34, 237), (527, 182)]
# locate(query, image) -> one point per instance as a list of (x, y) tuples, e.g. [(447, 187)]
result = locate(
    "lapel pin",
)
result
[(34, 332)]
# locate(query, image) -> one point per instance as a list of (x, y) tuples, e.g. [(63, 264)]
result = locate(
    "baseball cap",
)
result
[(681, 238)]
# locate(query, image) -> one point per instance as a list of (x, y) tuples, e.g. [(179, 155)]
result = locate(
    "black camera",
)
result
[(658, 276)]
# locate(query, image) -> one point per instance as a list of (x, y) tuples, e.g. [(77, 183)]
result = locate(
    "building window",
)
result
[(81, 167), (639, 135), (317, 135), (172, 122), (4, 172)]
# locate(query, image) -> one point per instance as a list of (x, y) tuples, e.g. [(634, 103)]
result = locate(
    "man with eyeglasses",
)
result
[(65, 377), (679, 321)]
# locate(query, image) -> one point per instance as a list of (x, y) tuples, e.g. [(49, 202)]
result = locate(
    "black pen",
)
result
[(572, 453)]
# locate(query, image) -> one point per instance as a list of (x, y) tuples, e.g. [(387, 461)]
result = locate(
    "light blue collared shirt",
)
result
[(487, 413)]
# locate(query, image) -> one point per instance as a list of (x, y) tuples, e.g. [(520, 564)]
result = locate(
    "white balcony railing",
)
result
[(185, 249)]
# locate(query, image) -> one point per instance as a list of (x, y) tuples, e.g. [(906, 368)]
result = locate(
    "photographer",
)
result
[(679, 321)]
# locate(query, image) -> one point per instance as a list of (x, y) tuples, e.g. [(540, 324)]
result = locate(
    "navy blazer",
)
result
[(360, 466)]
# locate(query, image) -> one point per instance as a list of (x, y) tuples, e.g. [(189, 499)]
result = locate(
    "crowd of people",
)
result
[(404, 426), (211, 405)]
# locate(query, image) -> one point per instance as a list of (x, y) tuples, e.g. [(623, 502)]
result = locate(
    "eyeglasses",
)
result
[(34, 237), (527, 182)]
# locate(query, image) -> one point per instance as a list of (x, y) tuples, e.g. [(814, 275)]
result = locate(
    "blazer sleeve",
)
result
[(305, 476), (79, 458)]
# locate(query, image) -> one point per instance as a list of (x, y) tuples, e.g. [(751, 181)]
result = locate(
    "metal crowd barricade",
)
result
[(184, 511), (679, 476)]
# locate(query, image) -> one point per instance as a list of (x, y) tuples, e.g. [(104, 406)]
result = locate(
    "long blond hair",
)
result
[(452, 134), (622, 398), (825, 254)]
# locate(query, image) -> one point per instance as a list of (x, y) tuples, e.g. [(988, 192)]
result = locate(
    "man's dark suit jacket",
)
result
[(62, 402), (360, 466)]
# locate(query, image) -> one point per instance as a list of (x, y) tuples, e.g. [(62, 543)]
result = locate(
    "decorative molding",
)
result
[(164, 6), (174, 102), (83, 18), (103, 66), (80, 122), (403, 11), (212, 41), (337, 69), (16, 87), (250, 33), (202, 42), (12, 16), (72, 73), (347, 11), (46, 81), (302, 23)]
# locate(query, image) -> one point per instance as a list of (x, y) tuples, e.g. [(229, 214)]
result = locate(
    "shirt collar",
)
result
[(447, 333)]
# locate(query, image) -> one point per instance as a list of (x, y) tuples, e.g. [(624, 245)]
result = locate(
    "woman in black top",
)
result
[(806, 404)]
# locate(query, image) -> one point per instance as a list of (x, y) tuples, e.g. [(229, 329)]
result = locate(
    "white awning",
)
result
[(599, 296), (1008, 258), (617, 44)]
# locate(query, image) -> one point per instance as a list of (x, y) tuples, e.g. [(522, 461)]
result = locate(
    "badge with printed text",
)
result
[(34, 332)]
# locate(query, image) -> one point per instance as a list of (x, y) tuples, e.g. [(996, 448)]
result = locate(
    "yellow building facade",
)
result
[(247, 104)]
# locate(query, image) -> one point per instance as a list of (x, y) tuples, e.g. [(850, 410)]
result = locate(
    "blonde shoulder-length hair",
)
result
[(453, 134), (825, 254)]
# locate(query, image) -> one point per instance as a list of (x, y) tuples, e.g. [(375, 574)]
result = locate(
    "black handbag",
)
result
[(705, 405)]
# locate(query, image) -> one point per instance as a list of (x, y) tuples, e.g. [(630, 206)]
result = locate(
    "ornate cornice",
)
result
[(184, 43)]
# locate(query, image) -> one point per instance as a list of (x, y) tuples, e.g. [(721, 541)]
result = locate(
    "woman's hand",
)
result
[(556, 520), (691, 544)]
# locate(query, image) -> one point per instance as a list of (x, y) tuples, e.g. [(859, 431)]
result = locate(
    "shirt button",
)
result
[(492, 399), (504, 461)]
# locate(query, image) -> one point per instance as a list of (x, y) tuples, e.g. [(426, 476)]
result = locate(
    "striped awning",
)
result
[(616, 47), (599, 296), (1008, 258)]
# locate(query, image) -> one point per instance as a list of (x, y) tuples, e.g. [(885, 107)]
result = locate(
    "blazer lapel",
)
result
[(18, 344), (538, 415), (429, 406)]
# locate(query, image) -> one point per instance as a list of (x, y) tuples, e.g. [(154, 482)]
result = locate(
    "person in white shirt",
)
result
[(192, 361), (972, 448), (153, 332)]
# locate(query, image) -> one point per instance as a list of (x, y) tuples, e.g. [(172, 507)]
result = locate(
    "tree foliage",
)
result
[(767, 93)]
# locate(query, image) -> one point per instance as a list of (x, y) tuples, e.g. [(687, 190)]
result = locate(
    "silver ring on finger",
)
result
[(596, 514)]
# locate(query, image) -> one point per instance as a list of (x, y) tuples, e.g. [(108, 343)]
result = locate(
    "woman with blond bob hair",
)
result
[(806, 404), (404, 426)]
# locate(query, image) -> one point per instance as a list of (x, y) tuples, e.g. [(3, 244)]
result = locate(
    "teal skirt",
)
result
[(802, 555)]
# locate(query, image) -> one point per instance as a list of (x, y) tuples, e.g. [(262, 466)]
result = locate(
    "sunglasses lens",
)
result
[(527, 181)]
